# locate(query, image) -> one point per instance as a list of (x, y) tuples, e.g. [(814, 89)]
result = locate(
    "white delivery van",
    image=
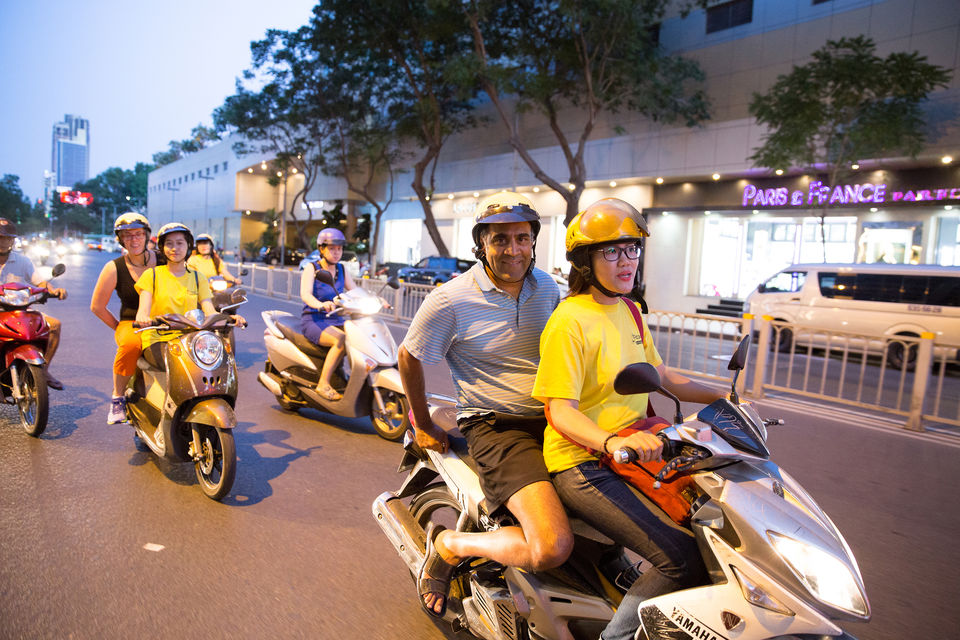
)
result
[(872, 299)]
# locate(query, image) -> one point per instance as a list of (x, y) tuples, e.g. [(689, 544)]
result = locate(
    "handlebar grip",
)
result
[(624, 455)]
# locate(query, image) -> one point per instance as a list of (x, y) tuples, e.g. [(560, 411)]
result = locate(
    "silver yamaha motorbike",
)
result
[(368, 380), (778, 566)]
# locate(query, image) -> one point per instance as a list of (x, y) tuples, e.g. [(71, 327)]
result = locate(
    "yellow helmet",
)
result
[(606, 220)]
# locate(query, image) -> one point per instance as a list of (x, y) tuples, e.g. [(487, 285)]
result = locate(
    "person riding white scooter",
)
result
[(368, 383), (316, 321)]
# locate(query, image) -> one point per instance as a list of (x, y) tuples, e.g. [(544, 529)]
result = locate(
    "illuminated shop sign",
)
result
[(818, 194)]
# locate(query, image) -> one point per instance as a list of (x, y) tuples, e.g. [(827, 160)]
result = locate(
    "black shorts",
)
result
[(508, 451)]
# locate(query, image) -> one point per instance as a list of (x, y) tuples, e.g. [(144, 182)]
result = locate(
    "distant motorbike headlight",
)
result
[(825, 576), (207, 348)]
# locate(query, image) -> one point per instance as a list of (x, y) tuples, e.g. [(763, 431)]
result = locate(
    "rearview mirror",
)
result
[(58, 270), (324, 276), (393, 283), (640, 377), (739, 358), (243, 272)]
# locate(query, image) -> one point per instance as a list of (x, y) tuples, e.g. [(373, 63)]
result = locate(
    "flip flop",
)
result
[(435, 573)]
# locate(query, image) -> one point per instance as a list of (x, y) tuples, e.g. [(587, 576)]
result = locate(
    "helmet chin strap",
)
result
[(591, 279)]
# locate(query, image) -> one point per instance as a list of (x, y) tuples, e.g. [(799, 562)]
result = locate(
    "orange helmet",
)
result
[(606, 220)]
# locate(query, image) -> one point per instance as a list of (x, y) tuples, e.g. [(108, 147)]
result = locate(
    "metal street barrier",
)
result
[(915, 378)]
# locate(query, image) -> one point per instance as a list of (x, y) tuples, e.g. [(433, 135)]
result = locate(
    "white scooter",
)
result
[(368, 380), (778, 567)]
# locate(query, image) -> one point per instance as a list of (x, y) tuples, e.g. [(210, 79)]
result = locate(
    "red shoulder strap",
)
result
[(636, 317)]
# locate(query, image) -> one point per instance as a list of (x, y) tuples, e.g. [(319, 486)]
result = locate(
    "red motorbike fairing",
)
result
[(27, 352), (23, 325)]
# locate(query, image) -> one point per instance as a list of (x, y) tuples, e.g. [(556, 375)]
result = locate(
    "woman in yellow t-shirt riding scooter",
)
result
[(171, 288)]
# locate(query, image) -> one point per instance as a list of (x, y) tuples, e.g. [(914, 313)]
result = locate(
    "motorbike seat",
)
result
[(446, 418), (298, 339)]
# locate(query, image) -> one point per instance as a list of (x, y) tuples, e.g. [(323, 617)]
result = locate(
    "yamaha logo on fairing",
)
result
[(693, 627)]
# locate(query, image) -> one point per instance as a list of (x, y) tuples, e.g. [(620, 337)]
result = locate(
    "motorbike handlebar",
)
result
[(624, 455), (675, 462), (152, 324)]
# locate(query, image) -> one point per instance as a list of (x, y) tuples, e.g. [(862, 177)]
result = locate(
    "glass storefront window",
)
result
[(402, 240), (948, 242), (738, 253)]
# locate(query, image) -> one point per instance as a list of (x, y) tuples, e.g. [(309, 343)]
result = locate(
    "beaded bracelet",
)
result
[(612, 435)]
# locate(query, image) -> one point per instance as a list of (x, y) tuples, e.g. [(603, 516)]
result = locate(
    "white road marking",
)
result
[(152, 546), (855, 418)]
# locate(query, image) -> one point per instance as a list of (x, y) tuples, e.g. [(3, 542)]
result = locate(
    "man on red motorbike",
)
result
[(16, 267)]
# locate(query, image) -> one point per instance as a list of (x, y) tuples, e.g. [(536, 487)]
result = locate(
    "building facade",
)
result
[(235, 197), (718, 225), (70, 152)]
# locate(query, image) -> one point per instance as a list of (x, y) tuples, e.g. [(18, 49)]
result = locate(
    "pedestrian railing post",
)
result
[(746, 328), (289, 285), (763, 350), (921, 376), (270, 282), (397, 301)]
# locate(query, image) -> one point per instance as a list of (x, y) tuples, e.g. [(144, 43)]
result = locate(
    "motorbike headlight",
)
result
[(218, 285), (19, 297), (824, 575), (368, 306), (207, 348)]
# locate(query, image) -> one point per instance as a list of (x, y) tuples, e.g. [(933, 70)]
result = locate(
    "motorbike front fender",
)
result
[(215, 412), (26, 352), (387, 379)]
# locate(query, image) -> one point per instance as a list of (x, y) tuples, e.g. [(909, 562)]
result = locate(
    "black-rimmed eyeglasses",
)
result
[(612, 253)]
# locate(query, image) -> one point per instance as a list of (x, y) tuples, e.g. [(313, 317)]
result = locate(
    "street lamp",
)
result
[(283, 221)]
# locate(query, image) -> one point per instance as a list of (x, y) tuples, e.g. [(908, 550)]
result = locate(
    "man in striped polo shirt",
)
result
[(486, 324)]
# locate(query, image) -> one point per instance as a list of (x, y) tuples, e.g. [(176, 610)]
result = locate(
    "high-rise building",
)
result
[(70, 155)]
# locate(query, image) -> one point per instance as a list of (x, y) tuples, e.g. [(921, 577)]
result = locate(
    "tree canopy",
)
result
[(587, 57), (14, 205), (200, 138), (846, 104)]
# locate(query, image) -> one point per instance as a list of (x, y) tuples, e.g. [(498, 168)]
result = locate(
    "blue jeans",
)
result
[(601, 498)]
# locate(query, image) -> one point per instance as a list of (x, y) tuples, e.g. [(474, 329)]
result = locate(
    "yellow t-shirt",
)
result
[(171, 294), (582, 349), (203, 264)]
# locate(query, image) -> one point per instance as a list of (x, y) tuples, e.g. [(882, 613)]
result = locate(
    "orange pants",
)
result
[(129, 348)]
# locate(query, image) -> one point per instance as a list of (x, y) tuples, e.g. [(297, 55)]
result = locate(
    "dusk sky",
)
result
[(142, 72)]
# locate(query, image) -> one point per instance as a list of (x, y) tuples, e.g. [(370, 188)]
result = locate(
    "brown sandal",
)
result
[(435, 573)]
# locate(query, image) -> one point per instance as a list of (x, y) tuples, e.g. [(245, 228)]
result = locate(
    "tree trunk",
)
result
[(421, 191)]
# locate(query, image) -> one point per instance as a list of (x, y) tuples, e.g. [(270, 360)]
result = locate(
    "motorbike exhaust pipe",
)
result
[(272, 383), (397, 523)]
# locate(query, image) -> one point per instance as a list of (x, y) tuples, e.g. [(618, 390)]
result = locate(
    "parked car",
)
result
[(388, 269), (290, 256), (349, 261), (434, 270)]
